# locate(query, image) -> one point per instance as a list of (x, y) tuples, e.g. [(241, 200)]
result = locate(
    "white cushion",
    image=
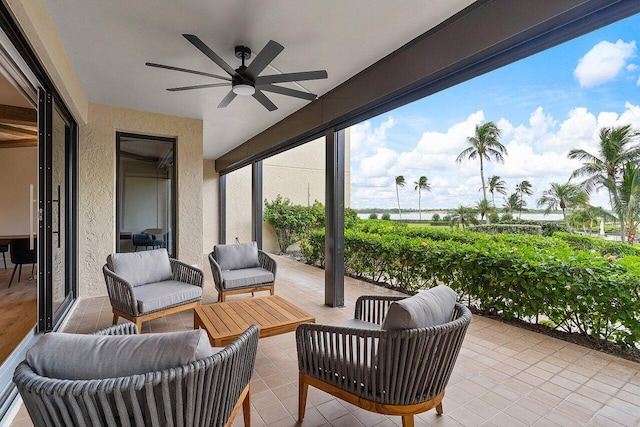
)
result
[(86, 357), (425, 309), (236, 279), (168, 293), (140, 268), (235, 257)]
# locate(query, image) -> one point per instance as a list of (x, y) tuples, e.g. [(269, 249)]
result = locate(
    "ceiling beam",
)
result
[(486, 35), (18, 115), (12, 130), (16, 143)]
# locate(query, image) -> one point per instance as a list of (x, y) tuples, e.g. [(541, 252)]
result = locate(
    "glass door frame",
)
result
[(48, 105), (174, 187)]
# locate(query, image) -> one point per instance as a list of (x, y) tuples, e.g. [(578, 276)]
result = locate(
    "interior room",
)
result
[(19, 178)]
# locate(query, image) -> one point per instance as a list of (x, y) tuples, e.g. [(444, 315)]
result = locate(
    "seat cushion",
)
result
[(235, 257), (84, 357), (140, 268), (160, 295), (235, 279), (359, 324), (425, 309)]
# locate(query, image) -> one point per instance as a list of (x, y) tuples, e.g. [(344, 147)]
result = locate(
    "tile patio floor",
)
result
[(505, 376)]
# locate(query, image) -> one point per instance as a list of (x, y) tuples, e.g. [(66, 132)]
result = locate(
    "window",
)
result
[(146, 193)]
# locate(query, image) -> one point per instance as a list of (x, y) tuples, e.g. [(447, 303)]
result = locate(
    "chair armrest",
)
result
[(267, 262), (216, 271), (186, 273), (373, 308), (123, 329), (120, 293)]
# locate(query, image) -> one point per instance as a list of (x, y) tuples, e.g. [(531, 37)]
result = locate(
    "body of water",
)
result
[(428, 216)]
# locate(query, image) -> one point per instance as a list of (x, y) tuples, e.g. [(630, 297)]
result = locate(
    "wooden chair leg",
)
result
[(139, 325), (246, 410), (439, 408), (407, 421), (303, 387), (115, 319), (272, 291), (221, 297)]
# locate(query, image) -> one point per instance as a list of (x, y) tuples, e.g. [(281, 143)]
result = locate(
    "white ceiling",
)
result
[(109, 42)]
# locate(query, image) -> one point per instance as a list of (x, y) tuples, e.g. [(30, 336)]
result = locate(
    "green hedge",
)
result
[(507, 228), (603, 247), (514, 276)]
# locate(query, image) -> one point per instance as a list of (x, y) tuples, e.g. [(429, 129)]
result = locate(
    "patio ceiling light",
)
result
[(243, 89)]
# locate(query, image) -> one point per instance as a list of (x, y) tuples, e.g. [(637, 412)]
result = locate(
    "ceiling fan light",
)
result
[(243, 89)]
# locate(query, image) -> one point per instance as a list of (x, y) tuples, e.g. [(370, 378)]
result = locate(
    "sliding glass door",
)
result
[(56, 211)]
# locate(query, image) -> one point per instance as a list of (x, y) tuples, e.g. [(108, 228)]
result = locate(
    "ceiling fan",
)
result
[(245, 80)]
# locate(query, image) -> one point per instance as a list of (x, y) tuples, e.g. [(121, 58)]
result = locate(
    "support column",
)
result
[(222, 209), (334, 219), (256, 203)]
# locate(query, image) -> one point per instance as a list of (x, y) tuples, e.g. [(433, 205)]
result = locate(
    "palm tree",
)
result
[(496, 185), (523, 188), (484, 209), (421, 184), (400, 182), (563, 196), (513, 203), (463, 216), (627, 201), (485, 144), (615, 150)]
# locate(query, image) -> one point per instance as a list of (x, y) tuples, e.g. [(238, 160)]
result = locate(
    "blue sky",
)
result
[(545, 105)]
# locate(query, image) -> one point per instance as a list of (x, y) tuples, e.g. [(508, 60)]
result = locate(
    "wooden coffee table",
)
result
[(225, 321)]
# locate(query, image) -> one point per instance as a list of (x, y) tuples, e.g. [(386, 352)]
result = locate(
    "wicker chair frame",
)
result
[(393, 372), (206, 392), (124, 303), (265, 261)]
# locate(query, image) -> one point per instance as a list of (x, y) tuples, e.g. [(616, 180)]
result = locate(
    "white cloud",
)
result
[(638, 82), (632, 67), (603, 62), (537, 152), (365, 140)]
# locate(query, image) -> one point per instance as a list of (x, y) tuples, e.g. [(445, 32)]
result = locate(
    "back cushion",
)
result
[(235, 257), (425, 309), (86, 357), (140, 268)]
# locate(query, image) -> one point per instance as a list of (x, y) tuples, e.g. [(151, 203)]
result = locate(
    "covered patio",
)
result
[(505, 375)]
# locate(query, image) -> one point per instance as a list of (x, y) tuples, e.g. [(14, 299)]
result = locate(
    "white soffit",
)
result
[(109, 42)]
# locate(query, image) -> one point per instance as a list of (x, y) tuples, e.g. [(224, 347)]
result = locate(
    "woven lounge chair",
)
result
[(241, 268), (147, 285), (204, 392), (388, 367)]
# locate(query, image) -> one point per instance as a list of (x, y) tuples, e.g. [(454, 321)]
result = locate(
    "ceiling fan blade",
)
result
[(227, 99), (264, 58), (290, 92), (210, 54), (177, 89), (266, 102), (184, 70), (292, 77)]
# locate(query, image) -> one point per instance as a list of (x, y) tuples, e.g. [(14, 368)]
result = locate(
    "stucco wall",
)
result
[(239, 205), (210, 191), (97, 180), (297, 174)]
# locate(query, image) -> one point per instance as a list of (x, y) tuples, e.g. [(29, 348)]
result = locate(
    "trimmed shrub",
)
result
[(373, 215), (385, 216), (533, 278), (506, 228)]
